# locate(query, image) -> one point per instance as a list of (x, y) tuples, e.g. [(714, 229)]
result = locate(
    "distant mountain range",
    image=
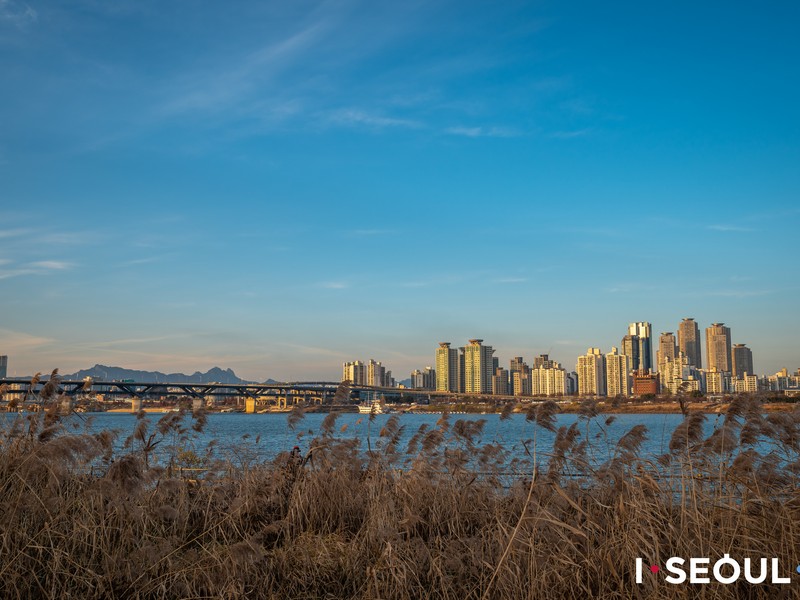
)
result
[(213, 375)]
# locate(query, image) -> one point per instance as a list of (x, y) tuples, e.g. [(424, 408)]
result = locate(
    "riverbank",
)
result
[(434, 513), (610, 407)]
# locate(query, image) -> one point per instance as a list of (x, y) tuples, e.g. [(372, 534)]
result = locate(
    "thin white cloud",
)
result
[(729, 228), (129, 341), (354, 116), (370, 232), (334, 285), (42, 267), (628, 288), (17, 14), (10, 233), (8, 274), (474, 132), (571, 134), (140, 261), (19, 340), (219, 89), (52, 265), (734, 293), (596, 231)]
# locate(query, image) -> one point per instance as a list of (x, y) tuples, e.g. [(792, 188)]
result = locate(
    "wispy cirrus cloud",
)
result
[(334, 285), (225, 87), (571, 134), (20, 340), (725, 227), (369, 232), (140, 261), (41, 267), (354, 116), (476, 132), (51, 265), (12, 233), (730, 293), (18, 14)]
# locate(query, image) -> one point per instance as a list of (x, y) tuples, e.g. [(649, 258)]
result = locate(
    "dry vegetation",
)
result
[(438, 517)]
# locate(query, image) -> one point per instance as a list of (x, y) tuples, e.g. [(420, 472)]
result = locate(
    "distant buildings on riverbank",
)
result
[(630, 369)]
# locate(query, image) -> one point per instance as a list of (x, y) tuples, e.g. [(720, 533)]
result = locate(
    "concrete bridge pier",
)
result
[(136, 405)]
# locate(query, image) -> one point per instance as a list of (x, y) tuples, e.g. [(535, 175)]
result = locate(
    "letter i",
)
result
[(638, 570)]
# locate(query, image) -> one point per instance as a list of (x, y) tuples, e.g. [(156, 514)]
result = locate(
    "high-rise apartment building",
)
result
[(517, 364), (521, 383), (543, 360), (3, 366), (355, 372), (678, 376), (571, 380), (667, 348), (423, 380), (642, 332), (478, 365), (519, 377), (591, 370), (462, 379), (500, 382), (747, 384), (718, 382), (742, 358), (446, 368), (689, 342), (718, 347), (630, 349), (548, 379), (376, 373), (617, 374)]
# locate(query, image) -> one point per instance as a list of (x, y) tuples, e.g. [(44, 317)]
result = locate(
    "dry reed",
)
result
[(437, 518)]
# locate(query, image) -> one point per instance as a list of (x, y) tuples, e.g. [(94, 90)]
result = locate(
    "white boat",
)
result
[(376, 407)]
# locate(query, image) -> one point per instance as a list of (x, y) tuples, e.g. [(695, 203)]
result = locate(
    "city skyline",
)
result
[(445, 360), (279, 188)]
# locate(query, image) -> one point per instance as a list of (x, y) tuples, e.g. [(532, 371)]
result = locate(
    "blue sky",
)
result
[(277, 187)]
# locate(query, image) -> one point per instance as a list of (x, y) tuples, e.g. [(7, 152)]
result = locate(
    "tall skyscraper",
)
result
[(500, 382), (423, 380), (548, 379), (355, 372), (630, 349), (689, 342), (376, 373), (642, 331), (516, 364), (478, 365), (461, 370), (521, 383), (678, 376), (591, 373), (617, 375), (446, 368), (3, 366), (742, 361), (667, 348), (718, 347)]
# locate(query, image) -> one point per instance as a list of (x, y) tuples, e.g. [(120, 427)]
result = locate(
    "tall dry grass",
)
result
[(436, 517)]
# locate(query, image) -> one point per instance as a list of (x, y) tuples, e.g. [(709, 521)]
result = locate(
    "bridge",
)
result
[(255, 394)]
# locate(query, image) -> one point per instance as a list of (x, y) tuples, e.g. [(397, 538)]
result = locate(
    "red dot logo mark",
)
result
[(654, 569)]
